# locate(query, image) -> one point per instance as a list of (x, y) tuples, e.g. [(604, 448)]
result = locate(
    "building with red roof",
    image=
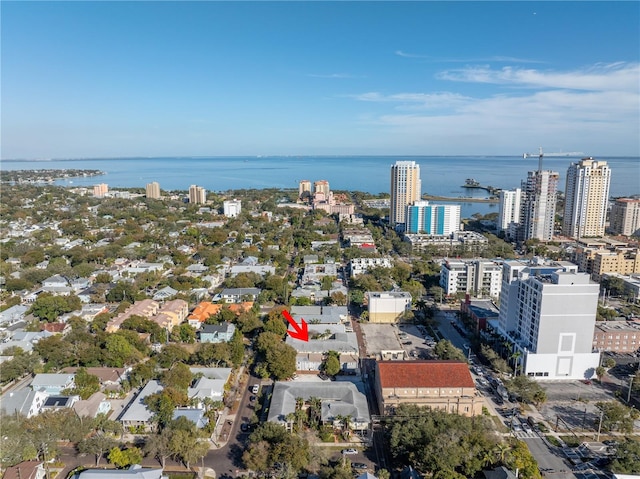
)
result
[(446, 385)]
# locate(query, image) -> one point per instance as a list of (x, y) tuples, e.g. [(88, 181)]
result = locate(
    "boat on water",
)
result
[(471, 183)]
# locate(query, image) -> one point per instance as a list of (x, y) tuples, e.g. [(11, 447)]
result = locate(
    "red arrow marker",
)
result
[(300, 332)]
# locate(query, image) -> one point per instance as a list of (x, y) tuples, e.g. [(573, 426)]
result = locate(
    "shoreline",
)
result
[(460, 199)]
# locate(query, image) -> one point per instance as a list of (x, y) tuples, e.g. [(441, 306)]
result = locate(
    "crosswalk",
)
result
[(526, 435)]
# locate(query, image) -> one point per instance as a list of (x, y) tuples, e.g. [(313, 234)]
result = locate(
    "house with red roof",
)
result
[(445, 385)]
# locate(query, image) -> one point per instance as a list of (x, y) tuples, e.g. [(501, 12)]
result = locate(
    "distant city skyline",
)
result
[(118, 79)]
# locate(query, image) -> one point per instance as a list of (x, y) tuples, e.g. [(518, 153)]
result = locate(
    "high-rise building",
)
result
[(624, 218), (548, 314), (509, 212), (153, 190), (197, 194), (440, 220), (321, 187), (586, 198), (232, 208), (538, 205), (304, 188), (405, 189), (100, 190)]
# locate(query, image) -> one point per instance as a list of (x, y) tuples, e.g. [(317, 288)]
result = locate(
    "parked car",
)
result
[(255, 388), (359, 465), (323, 376), (349, 451)]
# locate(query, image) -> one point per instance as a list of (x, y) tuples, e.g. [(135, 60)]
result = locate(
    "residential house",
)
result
[(145, 308), (237, 295), (339, 400), (52, 383), (58, 285), (322, 339), (261, 269), (26, 470), (56, 402), (134, 472), (110, 378), (136, 414), (92, 407), (205, 309), (56, 328), (165, 293), (445, 385), (25, 402), (13, 315), (217, 333), (196, 416)]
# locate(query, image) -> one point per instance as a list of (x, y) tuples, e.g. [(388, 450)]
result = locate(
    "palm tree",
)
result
[(516, 361), (502, 451), (488, 458)]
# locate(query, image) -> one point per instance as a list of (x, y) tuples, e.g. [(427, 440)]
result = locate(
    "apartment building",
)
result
[(624, 218), (480, 278), (624, 261), (547, 313), (422, 217)]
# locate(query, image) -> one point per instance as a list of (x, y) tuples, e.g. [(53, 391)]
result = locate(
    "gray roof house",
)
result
[(137, 413), (12, 315), (52, 383), (216, 333), (237, 295), (24, 401), (338, 399), (328, 337), (196, 416), (134, 472)]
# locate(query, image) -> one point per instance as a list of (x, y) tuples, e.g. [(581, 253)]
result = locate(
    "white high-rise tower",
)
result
[(406, 188)]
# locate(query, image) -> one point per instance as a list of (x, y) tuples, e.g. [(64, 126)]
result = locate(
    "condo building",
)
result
[(321, 187), (304, 188), (509, 209), (232, 208), (153, 190), (538, 205), (548, 314), (100, 191), (421, 217), (406, 188), (625, 217), (480, 278), (586, 198), (197, 194)]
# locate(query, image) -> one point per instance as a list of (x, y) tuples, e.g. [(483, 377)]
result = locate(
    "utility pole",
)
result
[(600, 425), (631, 378)]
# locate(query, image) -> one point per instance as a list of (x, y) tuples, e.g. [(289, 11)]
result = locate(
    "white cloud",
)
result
[(592, 109), (496, 58), (331, 75), (612, 76)]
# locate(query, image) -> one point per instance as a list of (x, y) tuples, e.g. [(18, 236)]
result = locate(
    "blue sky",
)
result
[(110, 79)]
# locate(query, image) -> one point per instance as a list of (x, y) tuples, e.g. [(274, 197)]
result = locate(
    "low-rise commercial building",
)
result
[(388, 307)]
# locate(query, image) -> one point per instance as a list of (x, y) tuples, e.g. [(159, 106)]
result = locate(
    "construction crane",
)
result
[(567, 153), (540, 155)]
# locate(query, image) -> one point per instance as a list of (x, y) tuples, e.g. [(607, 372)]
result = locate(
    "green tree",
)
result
[(332, 364), (444, 349), (179, 377), (627, 458), (97, 445), (85, 384), (159, 446), (124, 458)]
